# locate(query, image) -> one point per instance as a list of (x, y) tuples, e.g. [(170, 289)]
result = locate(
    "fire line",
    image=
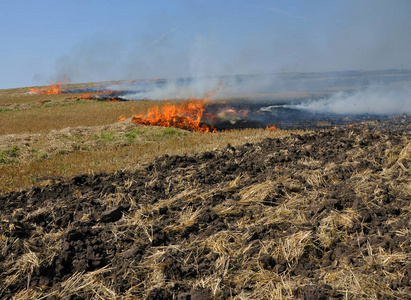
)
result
[(186, 116)]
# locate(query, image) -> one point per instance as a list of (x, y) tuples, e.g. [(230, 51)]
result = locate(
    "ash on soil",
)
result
[(317, 216)]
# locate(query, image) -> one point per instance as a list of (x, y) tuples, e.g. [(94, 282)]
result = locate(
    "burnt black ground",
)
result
[(261, 113), (83, 224)]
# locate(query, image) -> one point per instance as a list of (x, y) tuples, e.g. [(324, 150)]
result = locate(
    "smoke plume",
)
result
[(373, 101)]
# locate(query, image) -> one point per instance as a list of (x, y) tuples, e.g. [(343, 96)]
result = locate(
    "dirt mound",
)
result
[(315, 216)]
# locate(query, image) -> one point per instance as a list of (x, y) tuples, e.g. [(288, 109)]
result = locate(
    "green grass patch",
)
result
[(9, 155), (107, 137), (38, 154), (132, 135)]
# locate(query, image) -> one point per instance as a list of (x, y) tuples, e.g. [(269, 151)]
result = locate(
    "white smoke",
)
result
[(169, 89), (376, 101), (229, 87), (367, 98)]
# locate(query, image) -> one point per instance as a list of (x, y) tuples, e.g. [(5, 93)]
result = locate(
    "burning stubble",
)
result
[(286, 100)]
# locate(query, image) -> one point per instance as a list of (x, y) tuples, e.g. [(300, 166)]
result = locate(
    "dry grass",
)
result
[(94, 150), (29, 158), (44, 136), (62, 114)]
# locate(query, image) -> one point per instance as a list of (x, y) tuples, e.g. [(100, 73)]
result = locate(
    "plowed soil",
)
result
[(324, 215)]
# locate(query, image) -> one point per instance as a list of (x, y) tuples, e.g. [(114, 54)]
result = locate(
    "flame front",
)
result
[(56, 88), (186, 116), (53, 88)]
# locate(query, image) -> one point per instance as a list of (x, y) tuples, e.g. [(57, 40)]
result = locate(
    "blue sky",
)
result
[(112, 40)]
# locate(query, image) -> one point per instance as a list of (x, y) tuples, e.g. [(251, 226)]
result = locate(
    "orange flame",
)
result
[(87, 95), (53, 88), (186, 116), (272, 127)]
